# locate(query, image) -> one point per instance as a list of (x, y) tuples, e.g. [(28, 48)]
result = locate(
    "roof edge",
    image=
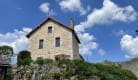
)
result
[(50, 18)]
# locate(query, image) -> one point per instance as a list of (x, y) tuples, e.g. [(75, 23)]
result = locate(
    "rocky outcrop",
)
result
[(43, 72), (33, 72)]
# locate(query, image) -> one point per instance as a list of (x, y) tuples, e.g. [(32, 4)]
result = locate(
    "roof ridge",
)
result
[(38, 26)]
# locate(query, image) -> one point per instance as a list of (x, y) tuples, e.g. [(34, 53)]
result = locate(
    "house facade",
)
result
[(52, 39)]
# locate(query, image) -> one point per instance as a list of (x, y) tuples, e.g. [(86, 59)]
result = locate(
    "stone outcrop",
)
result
[(43, 72)]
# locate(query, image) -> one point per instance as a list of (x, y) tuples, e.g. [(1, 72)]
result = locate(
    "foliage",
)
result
[(26, 61), (39, 61), (9, 74), (48, 61), (64, 61), (85, 70), (43, 61), (24, 58), (134, 59), (56, 76), (65, 69), (6, 50), (107, 62)]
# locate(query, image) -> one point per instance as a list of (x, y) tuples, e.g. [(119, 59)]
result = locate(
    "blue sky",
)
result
[(106, 27)]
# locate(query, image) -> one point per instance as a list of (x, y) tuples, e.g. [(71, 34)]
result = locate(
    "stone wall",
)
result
[(49, 50), (45, 72), (130, 65), (75, 46)]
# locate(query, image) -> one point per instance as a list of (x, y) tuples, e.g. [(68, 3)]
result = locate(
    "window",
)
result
[(57, 43), (49, 29), (41, 42), (39, 58)]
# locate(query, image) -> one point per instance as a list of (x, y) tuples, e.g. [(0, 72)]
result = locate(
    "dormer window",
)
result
[(50, 29)]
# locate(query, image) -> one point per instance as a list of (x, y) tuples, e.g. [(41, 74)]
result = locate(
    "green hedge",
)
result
[(24, 58)]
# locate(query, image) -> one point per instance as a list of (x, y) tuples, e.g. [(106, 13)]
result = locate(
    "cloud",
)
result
[(101, 52), (15, 39), (87, 43), (109, 13), (45, 7), (73, 5), (120, 33), (129, 45)]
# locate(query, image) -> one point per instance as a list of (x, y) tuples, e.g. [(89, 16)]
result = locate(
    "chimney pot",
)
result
[(72, 23)]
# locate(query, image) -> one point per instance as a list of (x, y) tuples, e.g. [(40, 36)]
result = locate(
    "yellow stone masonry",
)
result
[(68, 42)]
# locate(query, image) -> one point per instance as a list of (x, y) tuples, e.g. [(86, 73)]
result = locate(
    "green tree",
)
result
[(6, 50), (24, 58)]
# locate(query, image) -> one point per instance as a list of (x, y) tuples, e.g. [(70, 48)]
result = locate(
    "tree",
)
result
[(5, 54), (6, 50), (24, 58), (5, 58)]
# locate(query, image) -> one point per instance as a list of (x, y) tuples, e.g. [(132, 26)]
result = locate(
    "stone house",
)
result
[(53, 39)]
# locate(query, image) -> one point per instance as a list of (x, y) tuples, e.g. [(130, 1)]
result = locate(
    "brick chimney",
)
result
[(72, 23)]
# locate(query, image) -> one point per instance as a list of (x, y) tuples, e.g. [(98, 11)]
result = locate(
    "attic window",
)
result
[(50, 29)]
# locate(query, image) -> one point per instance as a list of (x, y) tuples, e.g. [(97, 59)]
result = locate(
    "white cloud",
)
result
[(15, 39), (101, 52), (45, 7), (120, 33), (73, 5), (109, 13), (87, 43), (130, 46)]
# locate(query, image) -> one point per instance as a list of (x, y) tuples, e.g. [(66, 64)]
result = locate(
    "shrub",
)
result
[(134, 59), (6, 50), (48, 61), (39, 61), (43, 61), (64, 61), (9, 75), (25, 62), (24, 58)]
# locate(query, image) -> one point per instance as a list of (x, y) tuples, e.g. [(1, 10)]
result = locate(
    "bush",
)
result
[(134, 59), (24, 62), (6, 50), (9, 75), (43, 61), (64, 61), (48, 61), (85, 70), (39, 61), (24, 58)]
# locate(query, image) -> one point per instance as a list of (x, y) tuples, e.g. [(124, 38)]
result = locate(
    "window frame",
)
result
[(41, 43), (50, 29), (57, 42)]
